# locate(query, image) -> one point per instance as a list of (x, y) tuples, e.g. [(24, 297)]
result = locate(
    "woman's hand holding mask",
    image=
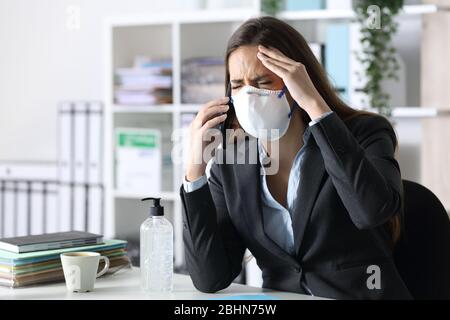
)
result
[(296, 79)]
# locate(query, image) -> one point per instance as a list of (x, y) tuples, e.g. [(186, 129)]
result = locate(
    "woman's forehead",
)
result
[(244, 64)]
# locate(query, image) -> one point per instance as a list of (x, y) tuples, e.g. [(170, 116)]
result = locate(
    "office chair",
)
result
[(422, 255)]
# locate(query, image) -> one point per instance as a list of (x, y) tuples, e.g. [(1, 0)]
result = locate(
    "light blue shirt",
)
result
[(277, 218)]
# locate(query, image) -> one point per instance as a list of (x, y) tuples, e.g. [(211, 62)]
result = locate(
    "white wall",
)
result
[(43, 62)]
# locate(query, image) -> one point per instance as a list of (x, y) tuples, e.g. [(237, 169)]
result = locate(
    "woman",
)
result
[(326, 221)]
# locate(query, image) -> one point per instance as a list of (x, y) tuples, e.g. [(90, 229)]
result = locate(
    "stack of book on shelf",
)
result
[(32, 260), (148, 82), (202, 79)]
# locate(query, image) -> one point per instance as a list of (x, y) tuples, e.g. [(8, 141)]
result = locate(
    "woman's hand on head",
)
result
[(210, 116), (296, 79)]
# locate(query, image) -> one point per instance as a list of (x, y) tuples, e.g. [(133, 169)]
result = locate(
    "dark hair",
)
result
[(272, 32)]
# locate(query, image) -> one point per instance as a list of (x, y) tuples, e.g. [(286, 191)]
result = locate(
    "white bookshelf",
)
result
[(163, 35), (179, 35)]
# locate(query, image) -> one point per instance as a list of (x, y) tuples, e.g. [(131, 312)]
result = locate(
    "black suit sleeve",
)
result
[(213, 248), (362, 167)]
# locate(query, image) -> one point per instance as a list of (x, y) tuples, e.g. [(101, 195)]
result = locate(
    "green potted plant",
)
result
[(378, 56), (271, 7)]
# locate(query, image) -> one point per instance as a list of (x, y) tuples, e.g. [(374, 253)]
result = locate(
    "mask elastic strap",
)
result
[(292, 109), (283, 91)]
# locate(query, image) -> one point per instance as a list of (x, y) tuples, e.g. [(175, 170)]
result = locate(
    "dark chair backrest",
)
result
[(422, 255)]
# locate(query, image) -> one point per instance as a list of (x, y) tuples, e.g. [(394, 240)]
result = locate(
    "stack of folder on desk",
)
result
[(21, 269)]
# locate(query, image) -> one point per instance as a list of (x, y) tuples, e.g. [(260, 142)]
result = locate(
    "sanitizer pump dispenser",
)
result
[(156, 250)]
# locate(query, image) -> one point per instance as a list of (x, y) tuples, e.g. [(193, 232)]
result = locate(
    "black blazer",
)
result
[(350, 186)]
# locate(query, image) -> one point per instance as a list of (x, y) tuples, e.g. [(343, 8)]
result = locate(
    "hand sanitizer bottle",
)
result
[(156, 254)]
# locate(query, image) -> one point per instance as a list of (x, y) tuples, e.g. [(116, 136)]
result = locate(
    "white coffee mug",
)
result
[(80, 269)]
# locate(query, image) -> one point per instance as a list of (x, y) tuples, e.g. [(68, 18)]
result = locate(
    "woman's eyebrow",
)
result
[(256, 79)]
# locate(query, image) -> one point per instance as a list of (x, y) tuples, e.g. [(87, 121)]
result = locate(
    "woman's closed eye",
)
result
[(263, 84)]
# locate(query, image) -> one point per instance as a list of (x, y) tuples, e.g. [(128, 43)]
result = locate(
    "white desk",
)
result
[(125, 285)]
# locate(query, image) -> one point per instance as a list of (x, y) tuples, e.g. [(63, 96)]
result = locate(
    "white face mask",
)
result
[(259, 111)]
